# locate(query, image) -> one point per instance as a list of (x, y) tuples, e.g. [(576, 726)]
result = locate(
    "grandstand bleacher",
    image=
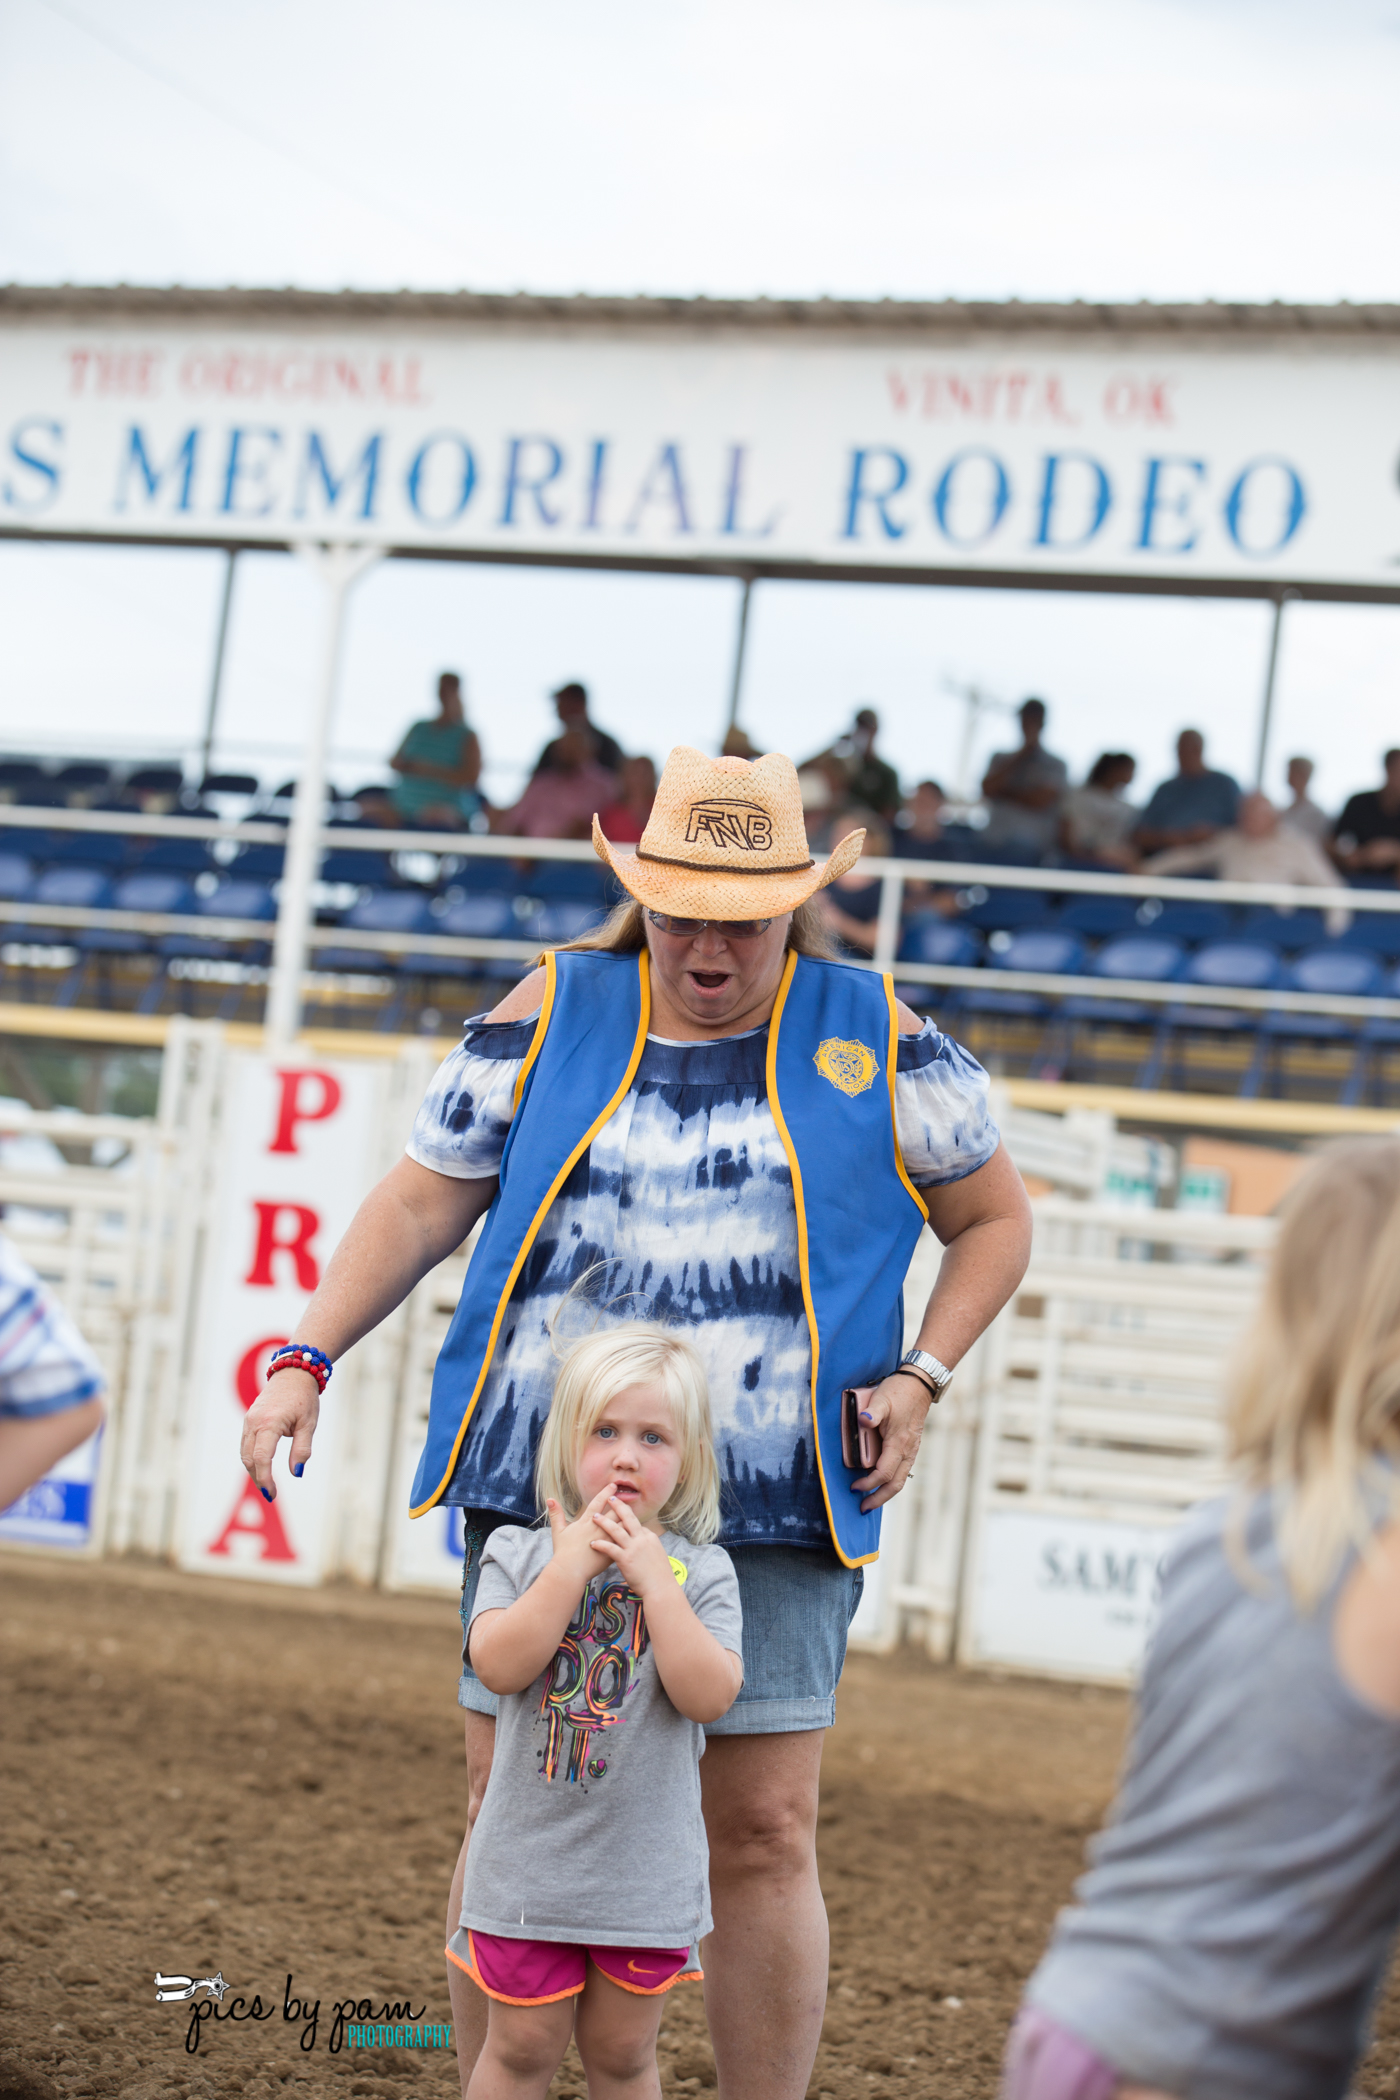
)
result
[(132, 891)]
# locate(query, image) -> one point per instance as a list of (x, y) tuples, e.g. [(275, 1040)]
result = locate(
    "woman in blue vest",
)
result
[(699, 1111)]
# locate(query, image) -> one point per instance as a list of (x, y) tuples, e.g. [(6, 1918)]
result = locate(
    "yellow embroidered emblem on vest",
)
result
[(678, 1569), (849, 1066)]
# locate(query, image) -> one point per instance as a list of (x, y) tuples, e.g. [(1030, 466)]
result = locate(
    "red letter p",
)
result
[(290, 1111)]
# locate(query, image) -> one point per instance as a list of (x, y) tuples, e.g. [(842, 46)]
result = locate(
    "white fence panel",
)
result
[(1101, 1425)]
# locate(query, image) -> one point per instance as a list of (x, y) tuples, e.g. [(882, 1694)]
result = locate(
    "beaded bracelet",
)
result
[(300, 1356)]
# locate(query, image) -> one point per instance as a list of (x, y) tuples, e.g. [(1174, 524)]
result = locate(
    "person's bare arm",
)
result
[(1185, 860), (984, 1222), (406, 1225)]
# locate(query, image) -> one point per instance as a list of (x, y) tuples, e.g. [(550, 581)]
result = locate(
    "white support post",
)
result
[(740, 645), (338, 568), (1266, 712), (887, 924)]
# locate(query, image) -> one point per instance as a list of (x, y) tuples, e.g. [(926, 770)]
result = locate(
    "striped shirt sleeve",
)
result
[(461, 1128), (940, 1093), (45, 1365)]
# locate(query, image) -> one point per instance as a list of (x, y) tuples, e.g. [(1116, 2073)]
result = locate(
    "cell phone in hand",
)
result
[(860, 1441)]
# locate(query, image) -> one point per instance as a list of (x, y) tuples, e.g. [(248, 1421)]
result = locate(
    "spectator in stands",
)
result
[(1302, 813), (1257, 848), (625, 820), (920, 836), (571, 706), (822, 783), (439, 765), (1096, 822), (851, 904), (376, 807), (1023, 789), (856, 774), (1190, 807), (1367, 838), (918, 830), (561, 798)]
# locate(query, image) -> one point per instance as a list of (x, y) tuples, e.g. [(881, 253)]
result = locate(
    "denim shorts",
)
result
[(798, 1604)]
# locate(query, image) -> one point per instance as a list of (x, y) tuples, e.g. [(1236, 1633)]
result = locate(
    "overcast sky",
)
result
[(1115, 149)]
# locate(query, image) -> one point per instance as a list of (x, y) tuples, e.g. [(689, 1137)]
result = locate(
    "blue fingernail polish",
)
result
[(266, 1494), (867, 1418), (299, 1468)]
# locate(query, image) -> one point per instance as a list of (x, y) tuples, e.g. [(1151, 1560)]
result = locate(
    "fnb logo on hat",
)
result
[(741, 824)]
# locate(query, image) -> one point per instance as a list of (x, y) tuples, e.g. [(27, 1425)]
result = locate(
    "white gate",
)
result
[(1100, 1425)]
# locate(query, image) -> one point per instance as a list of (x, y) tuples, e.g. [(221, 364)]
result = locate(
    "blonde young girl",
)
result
[(1240, 1905), (611, 1639)]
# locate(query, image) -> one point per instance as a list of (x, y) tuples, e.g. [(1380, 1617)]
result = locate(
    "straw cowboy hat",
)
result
[(725, 840)]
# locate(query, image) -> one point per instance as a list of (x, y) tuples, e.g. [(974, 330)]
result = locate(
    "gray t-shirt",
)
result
[(591, 1828), (1241, 1902)]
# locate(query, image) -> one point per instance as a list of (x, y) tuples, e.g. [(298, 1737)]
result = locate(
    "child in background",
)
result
[(51, 1384), (1238, 1913), (611, 1639)]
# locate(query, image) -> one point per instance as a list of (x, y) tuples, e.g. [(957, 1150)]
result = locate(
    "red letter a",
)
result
[(253, 1518)]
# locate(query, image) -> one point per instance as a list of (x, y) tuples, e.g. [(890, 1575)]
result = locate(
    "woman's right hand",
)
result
[(573, 1542), (289, 1405)]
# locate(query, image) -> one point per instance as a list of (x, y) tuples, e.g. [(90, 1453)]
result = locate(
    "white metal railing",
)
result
[(894, 876)]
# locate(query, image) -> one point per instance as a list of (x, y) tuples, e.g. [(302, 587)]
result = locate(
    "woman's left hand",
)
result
[(897, 1407)]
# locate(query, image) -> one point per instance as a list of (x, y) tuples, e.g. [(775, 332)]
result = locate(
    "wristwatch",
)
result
[(936, 1376)]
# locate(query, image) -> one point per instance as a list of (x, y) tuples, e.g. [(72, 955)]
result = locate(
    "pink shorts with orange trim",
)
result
[(538, 1972)]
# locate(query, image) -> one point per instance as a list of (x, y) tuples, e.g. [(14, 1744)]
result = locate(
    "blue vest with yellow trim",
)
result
[(832, 1052)]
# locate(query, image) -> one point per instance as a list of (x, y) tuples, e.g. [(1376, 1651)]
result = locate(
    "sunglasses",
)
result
[(729, 929)]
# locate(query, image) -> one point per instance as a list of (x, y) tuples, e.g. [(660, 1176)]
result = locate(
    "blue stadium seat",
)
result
[(1378, 932), (231, 900), (1187, 922), (567, 921), (1290, 930), (382, 911), (934, 940), (480, 871), (1099, 918), (144, 892), (153, 893), (1147, 957), (1047, 951), (79, 889), (86, 849), (173, 857), (16, 876), (1243, 965), (1374, 1040), (354, 864), (259, 864), (1005, 911), (484, 918), (1342, 973), (585, 881)]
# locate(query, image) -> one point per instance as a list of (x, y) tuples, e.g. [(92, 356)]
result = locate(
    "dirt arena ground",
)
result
[(197, 1778)]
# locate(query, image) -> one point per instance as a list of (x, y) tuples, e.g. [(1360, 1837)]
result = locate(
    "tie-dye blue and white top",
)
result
[(685, 1196)]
